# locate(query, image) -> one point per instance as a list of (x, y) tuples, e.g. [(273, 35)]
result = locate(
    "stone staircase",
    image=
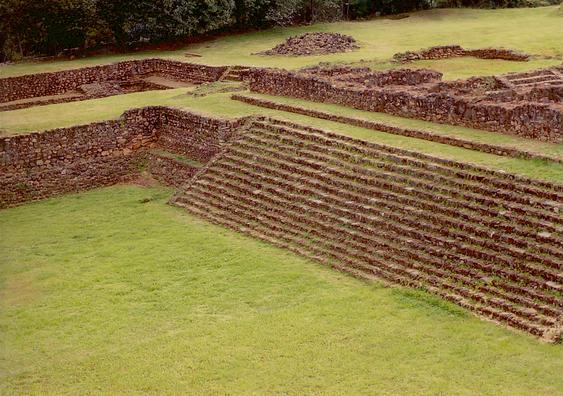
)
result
[(236, 73), (486, 240), (545, 77)]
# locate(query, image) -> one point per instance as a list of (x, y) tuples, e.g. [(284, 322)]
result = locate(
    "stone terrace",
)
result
[(488, 241), (500, 104)]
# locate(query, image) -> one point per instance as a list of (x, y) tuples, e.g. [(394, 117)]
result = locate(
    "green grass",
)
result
[(68, 114), (536, 31), (177, 157), (103, 294)]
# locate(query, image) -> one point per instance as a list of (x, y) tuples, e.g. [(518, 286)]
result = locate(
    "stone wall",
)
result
[(63, 160), (43, 164), (453, 51), (541, 121), (193, 135), (168, 170), (55, 83), (364, 77), (396, 130)]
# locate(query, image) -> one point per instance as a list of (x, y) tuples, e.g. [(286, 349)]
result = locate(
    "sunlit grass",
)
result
[(114, 292)]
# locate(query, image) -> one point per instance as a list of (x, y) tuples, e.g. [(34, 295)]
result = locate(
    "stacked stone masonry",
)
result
[(169, 171), (40, 165), (61, 82), (486, 240), (454, 51), (396, 130), (533, 111)]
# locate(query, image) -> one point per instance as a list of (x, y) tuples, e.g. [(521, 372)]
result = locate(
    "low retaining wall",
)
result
[(43, 164), (453, 51), (168, 170), (541, 121), (55, 83), (364, 77), (192, 135), (378, 126)]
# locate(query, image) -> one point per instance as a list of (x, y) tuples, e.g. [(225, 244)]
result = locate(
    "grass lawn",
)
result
[(536, 31), (101, 293)]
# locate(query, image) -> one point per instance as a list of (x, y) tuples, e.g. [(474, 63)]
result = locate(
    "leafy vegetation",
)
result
[(49, 27), (97, 296)]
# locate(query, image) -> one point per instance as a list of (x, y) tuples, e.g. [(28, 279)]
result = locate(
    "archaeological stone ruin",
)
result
[(487, 240)]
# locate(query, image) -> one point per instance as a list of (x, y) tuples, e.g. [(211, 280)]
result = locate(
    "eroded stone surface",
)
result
[(454, 51), (314, 44), (500, 103)]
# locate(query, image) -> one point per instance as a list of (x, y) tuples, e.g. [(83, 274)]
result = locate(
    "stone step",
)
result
[(298, 162), (534, 79), (365, 199), (395, 268), (459, 240), (345, 185), (434, 174), (409, 237), (464, 170), (518, 183)]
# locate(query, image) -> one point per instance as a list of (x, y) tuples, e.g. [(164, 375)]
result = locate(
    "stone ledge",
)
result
[(414, 133)]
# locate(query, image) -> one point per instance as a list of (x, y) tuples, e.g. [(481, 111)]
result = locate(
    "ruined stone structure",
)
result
[(485, 240), (100, 81), (533, 110), (313, 44), (396, 130), (43, 164), (455, 51), (488, 241)]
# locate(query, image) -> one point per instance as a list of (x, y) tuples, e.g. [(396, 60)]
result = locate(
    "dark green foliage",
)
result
[(49, 27), (46, 26)]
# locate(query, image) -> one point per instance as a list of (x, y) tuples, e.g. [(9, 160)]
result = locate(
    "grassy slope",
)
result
[(68, 114), (98, 297), (536, 31)]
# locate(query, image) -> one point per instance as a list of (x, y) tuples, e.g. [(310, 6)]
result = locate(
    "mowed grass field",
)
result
[(112, 291)]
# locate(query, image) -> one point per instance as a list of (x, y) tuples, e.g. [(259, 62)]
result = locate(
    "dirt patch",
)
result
[(314, 44), (19, 290), (167, 82)]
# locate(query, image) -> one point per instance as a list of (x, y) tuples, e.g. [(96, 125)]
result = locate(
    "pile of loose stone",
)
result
[(454, 51), (314, 44)]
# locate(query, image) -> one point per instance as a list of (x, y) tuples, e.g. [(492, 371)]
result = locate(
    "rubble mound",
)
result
[(454, 51), (101, 89), (314, 44)]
